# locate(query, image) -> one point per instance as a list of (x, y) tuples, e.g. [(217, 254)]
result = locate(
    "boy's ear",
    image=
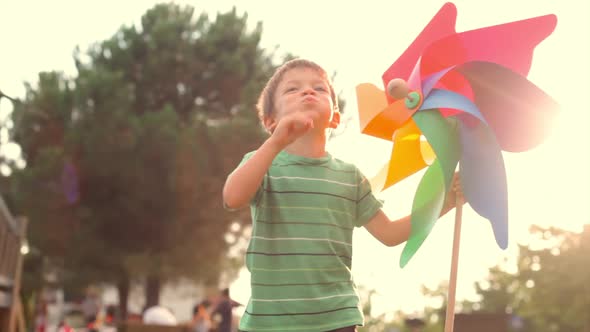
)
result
[(335, 120), (269, 124)]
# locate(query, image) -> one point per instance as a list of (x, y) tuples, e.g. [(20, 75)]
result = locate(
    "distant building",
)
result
[(481, 322)]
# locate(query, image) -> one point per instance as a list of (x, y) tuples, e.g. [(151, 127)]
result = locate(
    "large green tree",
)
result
[(125, 161), (550, 290)]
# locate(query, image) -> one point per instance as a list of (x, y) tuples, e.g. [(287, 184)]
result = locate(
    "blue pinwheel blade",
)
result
[(448, 99), (483, 178)]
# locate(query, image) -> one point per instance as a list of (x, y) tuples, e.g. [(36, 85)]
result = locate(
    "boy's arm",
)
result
[(242, 184), (392, 233)]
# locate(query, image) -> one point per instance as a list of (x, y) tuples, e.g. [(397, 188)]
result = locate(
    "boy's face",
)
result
[(304, 90)]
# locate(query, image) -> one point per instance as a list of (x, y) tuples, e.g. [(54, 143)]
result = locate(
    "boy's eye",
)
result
[(290, 89), (321, 89)]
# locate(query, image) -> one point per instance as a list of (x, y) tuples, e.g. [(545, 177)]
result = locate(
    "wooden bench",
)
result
[(12, 234)]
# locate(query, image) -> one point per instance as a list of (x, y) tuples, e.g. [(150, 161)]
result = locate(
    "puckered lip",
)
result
[(309, 99)]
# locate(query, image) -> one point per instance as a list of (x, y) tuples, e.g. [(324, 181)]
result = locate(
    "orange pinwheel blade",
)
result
[(376, 117)]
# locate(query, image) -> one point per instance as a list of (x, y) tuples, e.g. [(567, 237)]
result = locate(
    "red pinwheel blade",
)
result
[(441, 25)]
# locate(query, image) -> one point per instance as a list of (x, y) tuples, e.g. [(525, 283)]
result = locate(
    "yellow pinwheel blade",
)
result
[(380, 179), (406, 156)]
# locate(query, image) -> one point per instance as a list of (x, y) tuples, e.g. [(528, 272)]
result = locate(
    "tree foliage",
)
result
[(125, 162), (550, 290)]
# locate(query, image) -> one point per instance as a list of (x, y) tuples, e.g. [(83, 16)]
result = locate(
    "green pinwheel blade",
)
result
[(443, 135), (425, 209)]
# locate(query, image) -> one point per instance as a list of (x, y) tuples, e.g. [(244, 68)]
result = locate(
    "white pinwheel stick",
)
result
[(450, 314)]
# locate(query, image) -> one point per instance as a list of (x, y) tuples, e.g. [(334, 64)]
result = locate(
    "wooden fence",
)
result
[(12, 236)]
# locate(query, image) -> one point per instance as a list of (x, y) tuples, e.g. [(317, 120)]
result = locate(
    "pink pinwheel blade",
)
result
[(510, 45), (518, 112)]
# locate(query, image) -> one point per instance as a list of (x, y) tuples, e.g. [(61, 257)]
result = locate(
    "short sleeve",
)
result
[(258, 192), (367, 205), (246, 157)]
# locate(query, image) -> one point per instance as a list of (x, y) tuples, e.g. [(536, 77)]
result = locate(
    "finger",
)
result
[(457, 186), (456, 182), (306, 123)]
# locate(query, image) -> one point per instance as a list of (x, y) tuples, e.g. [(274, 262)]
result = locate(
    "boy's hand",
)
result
[(290, 128), (455, 192)]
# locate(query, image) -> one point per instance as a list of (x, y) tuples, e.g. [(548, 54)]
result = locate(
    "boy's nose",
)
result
[(309, 91)]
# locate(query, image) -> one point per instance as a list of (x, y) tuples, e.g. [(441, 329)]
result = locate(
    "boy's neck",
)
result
[(310, 145)]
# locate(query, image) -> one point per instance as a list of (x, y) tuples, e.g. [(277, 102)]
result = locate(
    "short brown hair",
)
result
[(267, 96)]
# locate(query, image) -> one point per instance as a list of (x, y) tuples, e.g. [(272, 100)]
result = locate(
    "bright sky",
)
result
[(549, 185)]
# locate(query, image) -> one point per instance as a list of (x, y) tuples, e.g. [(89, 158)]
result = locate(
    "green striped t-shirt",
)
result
[(300, 252)]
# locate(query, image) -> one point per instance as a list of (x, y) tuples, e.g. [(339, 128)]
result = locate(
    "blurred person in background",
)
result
[(201, 321)]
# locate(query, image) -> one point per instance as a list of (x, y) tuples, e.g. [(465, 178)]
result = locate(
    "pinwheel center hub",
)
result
[(413, 100)]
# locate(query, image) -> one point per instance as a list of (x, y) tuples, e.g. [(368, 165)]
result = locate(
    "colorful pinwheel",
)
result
[(470, 99)]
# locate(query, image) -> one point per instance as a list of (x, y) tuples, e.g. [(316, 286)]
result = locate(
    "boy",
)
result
[(304, 205)]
